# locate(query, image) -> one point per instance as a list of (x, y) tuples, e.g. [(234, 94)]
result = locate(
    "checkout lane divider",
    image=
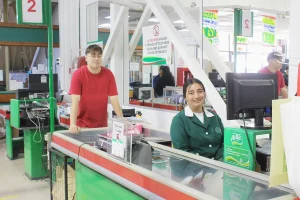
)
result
[(146, 179), (262, 178)]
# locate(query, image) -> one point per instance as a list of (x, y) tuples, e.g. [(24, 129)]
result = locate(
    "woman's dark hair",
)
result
[(166, 70), (189, 82)]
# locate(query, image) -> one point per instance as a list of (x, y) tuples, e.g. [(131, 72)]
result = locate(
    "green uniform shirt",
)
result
[(189, 134)]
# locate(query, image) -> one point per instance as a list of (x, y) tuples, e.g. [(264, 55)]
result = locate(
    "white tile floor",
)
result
[(14, 185)]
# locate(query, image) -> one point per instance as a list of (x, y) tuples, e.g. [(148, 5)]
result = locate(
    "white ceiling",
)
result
[(225, 19)]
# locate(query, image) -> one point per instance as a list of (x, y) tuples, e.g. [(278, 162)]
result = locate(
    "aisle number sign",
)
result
[(243, 23), (247, 24), (30, 12)]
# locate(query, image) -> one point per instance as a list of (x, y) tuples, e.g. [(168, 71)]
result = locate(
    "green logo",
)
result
[(218, 130), (236, 139)]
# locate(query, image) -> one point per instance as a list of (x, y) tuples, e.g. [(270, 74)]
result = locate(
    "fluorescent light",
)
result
[(104, 25), (224, 23), (258, 18), (108, 17), (153, 20), (128, 4), (184, 29), (224, 13), (179, 22)]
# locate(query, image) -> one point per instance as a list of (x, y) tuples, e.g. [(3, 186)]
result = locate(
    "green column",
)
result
[(9, 142), (237, 32), (50, 59), (35, 154)]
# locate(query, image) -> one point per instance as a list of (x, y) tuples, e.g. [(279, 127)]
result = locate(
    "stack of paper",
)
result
[(290, 118), (278, 171)]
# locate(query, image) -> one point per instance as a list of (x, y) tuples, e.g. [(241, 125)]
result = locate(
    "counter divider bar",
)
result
[(261, 178), (139, 190), (173, 187)]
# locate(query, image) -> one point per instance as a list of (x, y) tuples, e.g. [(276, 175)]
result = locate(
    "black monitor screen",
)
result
[(126, 113), (216, 79), (40, 82), (250, 94)]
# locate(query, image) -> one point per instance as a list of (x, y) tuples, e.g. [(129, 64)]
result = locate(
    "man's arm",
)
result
[(284, 93), (116, 106), (74, 113)]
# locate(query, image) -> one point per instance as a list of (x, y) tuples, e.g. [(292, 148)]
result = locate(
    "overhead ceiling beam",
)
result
[(192, 63), (114, 34), (126, 3), (138, 31), (268, 6), (211, 51), (264, 10), (187, 3)]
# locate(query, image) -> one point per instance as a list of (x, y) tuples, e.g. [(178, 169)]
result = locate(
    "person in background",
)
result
[(275, 64), (166, 79), (286, 76), (195, 129), (158, 75), (91, 85)]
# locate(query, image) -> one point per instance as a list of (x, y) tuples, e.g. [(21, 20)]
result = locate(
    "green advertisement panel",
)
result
[(210, 24)]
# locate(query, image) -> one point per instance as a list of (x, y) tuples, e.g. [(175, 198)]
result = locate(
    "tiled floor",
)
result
[(14, 185)]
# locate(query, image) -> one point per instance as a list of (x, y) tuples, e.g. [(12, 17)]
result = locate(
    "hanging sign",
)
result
[(242, 40), (243, 23), (30, 11), (268, 35), (210, 24), (157, 48)]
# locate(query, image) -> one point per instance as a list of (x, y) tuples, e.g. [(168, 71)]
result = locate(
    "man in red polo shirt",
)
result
[(91, 85), (275, 64)]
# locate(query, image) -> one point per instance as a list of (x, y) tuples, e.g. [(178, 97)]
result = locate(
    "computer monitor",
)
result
[(216, 79), (40, 82), (126, 113), (250, 95), (142, 93)]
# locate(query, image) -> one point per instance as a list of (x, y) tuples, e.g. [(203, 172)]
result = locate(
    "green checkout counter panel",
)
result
[(240, 146), (171, 174), (14, 138), (34, 122)]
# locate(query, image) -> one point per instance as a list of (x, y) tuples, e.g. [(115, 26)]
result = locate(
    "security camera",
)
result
[(193, 4)]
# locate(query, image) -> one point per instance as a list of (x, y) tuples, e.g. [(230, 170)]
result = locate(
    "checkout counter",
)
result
[(173, 174)]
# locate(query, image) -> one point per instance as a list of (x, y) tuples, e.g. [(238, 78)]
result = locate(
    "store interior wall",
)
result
[(156, 116), (21, 57)]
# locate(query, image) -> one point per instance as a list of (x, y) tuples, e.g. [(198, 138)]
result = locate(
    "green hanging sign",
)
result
[(268, 35), (242, 40), (210, 23)]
